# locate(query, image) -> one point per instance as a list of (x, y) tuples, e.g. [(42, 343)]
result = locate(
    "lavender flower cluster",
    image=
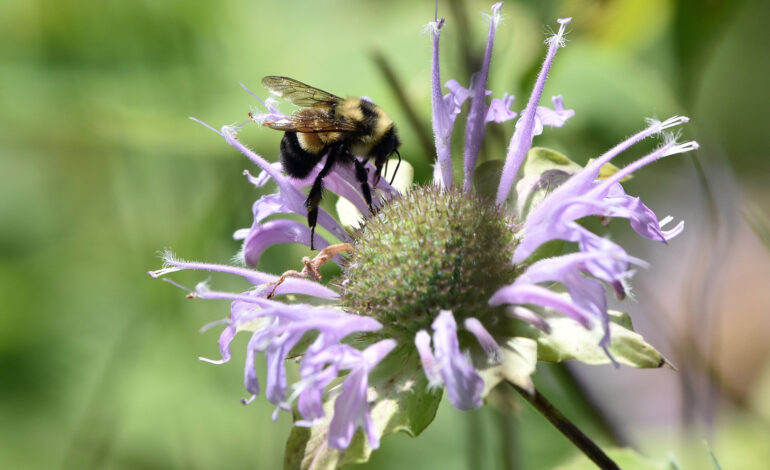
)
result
[(278, 326)]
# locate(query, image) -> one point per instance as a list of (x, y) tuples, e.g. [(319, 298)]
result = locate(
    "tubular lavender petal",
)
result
[(476, 123), (293, 198), (522, 136), (442, 121)]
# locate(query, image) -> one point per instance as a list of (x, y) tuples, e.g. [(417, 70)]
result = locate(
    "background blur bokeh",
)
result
[(100, 169)]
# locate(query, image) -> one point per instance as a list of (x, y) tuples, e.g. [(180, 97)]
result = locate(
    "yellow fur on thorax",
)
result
[(351, 109), (384, 124)]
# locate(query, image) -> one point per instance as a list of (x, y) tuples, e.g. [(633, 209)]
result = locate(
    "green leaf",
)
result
[(627, 459), (543, 170), (570, 340), (608, 169), (400, 401)]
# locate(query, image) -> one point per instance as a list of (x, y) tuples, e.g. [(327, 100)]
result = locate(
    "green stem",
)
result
[(568, 428), (508, 443)]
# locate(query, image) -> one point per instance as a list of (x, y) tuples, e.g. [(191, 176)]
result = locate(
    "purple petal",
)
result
[(555, 117), (457, 96), (476, 122), (268, 205), (339, 181), (274, 232), (311, 396), (500, 109), (292, 198), (257, 278), (275, 356), (487, 342), (443, 120), (263, 177), (522, 137), (581, 195), (599, 257), (524, 293), (463, 384), (429, 363), (250, 380), (528, 316), (584, 180), (351, 409)]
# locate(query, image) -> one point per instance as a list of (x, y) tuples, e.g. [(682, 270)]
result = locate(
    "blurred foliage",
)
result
[(101, 169)]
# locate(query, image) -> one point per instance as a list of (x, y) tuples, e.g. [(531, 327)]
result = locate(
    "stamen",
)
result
[(204, 124), (682, 148), (254, 95), (668, 123), (162, 272)]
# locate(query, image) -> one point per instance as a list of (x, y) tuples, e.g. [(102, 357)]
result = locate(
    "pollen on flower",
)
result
[(558, 38), (169, 264), (496, 17), (434, 26), (673, 121)]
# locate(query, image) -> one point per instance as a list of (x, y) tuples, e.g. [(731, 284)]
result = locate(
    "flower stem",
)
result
[(567, 427)]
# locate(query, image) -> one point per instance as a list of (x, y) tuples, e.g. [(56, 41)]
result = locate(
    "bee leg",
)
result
[(377, 172), (314, 196), (362, 176), (393, 178)]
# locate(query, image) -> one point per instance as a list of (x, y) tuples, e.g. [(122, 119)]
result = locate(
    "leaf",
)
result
[(518, 362), (399, 400), (627, 459), (608, 169), (570, 340), (542, 172)]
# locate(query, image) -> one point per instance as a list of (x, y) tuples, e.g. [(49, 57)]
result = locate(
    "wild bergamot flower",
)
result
[(442, 287)]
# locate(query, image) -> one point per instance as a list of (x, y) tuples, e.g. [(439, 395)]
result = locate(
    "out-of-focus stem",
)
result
[(394, 83), (568, 428)]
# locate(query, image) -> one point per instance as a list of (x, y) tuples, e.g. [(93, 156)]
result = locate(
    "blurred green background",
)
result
[(101, 169)]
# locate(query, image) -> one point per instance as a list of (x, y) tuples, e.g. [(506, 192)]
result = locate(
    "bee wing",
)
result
[(297, 92), (313, 120)]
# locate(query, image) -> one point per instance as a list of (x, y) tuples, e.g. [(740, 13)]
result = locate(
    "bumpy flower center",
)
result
[(433, 249)]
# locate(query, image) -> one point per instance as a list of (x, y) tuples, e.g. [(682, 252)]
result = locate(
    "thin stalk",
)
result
[(396, 86), (567, 428), (508, 449)]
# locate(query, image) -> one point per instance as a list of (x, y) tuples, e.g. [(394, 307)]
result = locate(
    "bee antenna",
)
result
[(393, 178)]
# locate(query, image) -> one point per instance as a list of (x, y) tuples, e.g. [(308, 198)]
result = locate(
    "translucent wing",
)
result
[(297, 92), (313, 120)]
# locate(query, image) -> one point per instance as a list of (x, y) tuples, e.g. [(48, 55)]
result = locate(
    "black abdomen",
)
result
[(297, 162)]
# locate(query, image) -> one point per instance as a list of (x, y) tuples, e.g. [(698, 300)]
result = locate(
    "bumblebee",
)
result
[(341, 128)]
